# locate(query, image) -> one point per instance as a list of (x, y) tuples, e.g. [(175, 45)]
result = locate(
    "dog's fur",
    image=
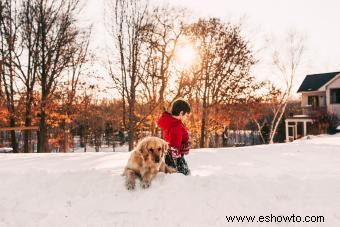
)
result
[(146, 160)]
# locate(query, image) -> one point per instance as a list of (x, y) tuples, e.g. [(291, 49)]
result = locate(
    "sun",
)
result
[(186, 55)]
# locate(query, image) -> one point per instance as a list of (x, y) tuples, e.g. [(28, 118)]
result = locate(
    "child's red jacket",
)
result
[(175, 133)]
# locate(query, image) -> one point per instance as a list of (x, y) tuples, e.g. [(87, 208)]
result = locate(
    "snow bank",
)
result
[(6, 149), (86, 189)]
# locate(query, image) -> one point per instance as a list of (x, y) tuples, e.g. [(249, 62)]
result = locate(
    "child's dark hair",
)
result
[(178, 106)]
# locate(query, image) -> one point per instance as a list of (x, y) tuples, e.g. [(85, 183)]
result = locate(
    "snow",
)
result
[(5, 149), (87, 189)]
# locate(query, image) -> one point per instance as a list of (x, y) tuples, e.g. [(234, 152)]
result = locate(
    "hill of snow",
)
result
[(87, 189)]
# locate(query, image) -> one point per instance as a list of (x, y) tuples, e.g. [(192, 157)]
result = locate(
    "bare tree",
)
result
[(55, 35), (26, 66), (261, 107), (224, 69), (8, 35), (161, 38), (287, 61), (73, 83), (130, 22)]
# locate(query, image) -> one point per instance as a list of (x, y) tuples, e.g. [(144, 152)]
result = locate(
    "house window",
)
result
[(335, 96), (313, 101)]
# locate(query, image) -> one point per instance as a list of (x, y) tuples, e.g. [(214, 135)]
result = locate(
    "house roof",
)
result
[(313, 82)]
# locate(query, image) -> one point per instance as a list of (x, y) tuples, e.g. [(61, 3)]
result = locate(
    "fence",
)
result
[(5, 140), (234, 138), (230, 138)]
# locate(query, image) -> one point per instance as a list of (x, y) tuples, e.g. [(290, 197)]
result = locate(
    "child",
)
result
[(175, 133)]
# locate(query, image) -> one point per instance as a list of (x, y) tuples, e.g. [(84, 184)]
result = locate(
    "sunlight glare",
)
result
[(186, 56)]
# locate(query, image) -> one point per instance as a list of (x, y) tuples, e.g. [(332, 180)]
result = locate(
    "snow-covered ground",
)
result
[(87, 189), (6, 149)]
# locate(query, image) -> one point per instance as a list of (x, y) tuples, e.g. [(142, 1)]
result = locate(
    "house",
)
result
[(319, 93)]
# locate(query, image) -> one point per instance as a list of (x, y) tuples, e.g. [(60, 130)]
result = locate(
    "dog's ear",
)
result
[(143, 148), (165, 147)]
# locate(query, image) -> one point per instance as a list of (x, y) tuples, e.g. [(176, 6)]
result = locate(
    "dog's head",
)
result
[(153, 148)]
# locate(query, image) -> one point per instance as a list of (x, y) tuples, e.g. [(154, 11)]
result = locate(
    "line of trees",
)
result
[(44, 51), (147, 39), (40, 45)]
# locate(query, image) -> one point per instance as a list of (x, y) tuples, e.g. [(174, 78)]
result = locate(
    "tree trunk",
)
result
[(14, 143), (27, 137), (132, 117), (66, 144), (131, 133), (124, 110), (203, 126), (42, 135), (27, 133), (273, 130), (131, 124), (204, 116)]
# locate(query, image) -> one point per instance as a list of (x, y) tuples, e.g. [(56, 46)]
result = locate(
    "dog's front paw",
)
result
[(145, 184), (169, 169), (130, 185), (172, 170)]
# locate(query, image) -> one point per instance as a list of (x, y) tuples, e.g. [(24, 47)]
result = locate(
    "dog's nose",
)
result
[(156, 159)]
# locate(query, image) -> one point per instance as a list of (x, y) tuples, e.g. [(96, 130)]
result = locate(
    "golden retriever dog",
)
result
[(146, 160)]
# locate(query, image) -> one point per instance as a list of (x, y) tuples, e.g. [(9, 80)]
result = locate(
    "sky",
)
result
[(315, 20)]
